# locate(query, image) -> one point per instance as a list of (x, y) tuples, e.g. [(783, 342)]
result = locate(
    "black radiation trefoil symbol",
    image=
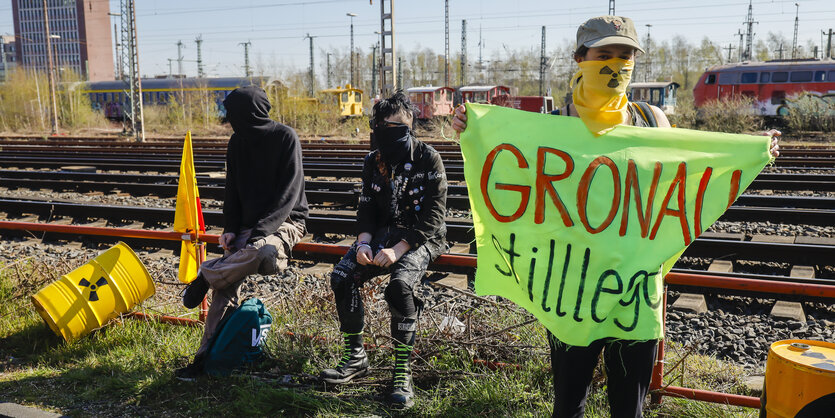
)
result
[(93, 296), (615, 81)]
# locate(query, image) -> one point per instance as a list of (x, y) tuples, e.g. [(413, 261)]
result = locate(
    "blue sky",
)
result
[(276, 28)]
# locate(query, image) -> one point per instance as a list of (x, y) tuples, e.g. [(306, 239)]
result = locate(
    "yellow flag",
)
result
[(188, 217)]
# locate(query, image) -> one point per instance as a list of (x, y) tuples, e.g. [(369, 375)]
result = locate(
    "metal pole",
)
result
[(180, 58), (373, 67), (3, 53), (796, 22), (749, 35), (329, 70), (352, 15), (50, 70), (137, 78), (388, 61), (542, 64), (611, 7), (648, 72), (311, 88), (117, 74), (463, 52), (829, 45), (246, 45), (199, 42), (446, 43)]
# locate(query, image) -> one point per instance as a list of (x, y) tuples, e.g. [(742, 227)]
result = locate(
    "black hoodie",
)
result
[(264, 175)]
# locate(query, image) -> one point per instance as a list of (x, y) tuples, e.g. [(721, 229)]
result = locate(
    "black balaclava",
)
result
[(248, 111), (394, 143)]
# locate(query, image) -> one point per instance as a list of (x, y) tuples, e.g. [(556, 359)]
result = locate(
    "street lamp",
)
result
[(352, 16)]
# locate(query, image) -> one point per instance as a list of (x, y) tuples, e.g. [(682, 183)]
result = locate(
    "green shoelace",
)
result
[(401, 363), (346, 349)]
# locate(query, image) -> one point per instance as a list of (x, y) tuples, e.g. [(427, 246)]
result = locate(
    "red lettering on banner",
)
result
[(678, 183), (525, 191), (583, 193), (734, 187), (700, 198), (544, 183), (644, 216)]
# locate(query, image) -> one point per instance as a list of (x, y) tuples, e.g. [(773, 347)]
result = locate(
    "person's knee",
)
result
[(270, 260), (339, 278), (400, 298)]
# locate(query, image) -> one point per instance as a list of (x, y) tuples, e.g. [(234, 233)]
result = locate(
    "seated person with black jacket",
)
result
[(264, 211), (401, 230)]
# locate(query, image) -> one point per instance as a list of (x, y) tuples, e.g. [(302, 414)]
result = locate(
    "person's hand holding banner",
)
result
[(575, 228)]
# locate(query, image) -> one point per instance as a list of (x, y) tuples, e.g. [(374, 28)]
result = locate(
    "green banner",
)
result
[(575, 228)]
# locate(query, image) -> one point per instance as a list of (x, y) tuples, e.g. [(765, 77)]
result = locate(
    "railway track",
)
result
[(776, 209), (791, 158), (322, 222)]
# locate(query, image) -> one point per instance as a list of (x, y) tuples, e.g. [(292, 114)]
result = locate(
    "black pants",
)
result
[(628, 367), (348, 277)]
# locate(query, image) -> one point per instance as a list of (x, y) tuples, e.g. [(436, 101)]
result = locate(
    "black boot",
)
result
[(195, 292), (402, 394), (354, 362), (191, 372)]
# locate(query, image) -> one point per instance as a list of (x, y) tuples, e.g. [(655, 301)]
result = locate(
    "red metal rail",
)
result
[(797, 289)]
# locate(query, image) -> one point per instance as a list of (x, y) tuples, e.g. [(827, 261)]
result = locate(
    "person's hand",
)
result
[(775, 138), (386, 257), (459, 120), (364, 254), (226, 240)]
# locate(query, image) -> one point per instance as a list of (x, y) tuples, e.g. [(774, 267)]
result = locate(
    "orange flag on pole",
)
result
[(188, 217)]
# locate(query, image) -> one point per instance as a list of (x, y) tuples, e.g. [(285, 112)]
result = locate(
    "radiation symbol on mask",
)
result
[(615, 81)]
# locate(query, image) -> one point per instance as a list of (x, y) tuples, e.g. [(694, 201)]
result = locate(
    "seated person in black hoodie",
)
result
[(401, 230), (264, 210)]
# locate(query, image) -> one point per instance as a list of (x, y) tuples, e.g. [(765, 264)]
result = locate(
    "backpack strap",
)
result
[(646, 113)]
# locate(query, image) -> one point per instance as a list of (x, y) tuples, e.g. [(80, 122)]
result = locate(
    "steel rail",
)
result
[(775, 209), (685, 279), (805, 254), (447, 156), (109, 181), (771, 181)]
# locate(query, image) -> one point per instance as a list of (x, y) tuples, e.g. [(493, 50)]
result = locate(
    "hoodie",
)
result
[(264, 175)]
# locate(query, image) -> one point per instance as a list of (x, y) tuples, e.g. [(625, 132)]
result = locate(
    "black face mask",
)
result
[(393, 143)]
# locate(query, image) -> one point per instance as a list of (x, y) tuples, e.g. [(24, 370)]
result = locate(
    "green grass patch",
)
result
[(126, 368)]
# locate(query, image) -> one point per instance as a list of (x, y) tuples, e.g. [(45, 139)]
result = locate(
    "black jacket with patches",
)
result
[(410, 204), (264, 175)]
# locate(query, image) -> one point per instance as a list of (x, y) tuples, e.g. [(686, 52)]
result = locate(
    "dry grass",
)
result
[(25, 104), (811, 113)]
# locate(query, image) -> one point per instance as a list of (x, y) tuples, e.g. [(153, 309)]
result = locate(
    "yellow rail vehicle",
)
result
[(348, 100)]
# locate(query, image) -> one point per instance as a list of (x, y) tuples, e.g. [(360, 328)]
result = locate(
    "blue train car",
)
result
[(109, 96)]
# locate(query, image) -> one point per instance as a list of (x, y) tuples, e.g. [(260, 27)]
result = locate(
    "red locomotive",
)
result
[(769, 83)]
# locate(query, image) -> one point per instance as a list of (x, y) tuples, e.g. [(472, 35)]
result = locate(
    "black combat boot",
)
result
[(402, 394), (354, 362)]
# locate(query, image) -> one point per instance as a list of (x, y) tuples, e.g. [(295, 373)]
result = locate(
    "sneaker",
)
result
[(354, 362), (189, 373), (195, 292)]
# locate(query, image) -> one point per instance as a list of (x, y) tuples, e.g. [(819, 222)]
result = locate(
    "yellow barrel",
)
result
[(800, 379), (89, 296)]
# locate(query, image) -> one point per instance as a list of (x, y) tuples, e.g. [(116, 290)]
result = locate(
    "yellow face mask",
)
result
[(599, 93)]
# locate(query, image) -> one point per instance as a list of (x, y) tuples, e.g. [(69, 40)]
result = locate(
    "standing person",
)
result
[(605, 53), (401, 230), (264, 210)]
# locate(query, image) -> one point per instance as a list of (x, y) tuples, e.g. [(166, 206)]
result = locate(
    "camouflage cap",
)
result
[(608, 30)]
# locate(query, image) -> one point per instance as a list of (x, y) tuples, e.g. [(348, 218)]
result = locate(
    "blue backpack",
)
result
[(239, 340)]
